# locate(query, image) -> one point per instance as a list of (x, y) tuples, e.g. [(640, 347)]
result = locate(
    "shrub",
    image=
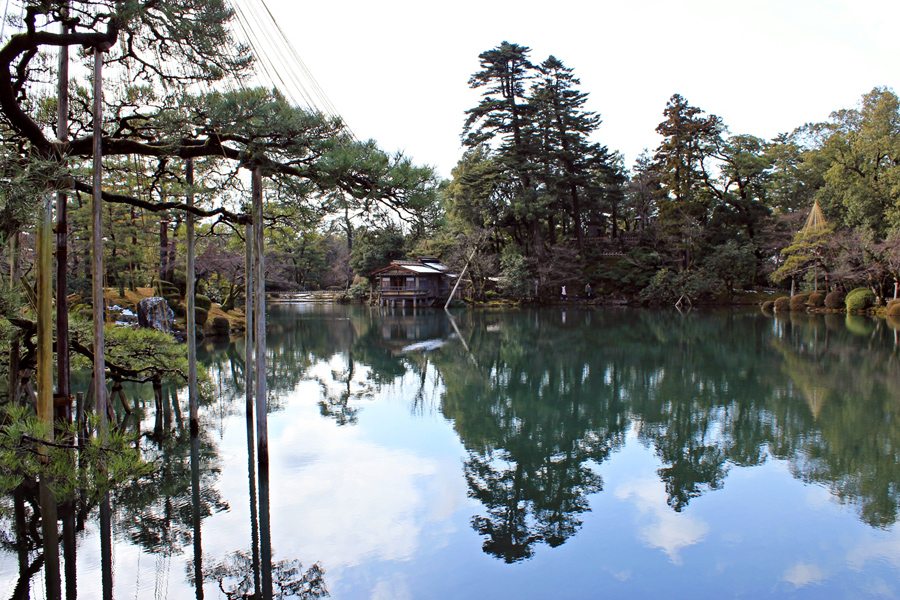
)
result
[(200, 316), (201, 301), (835, 300), (221, 326), (860, 299), (798, 302), (893, 308), (168, 288), (782, 304), (768, 305), (892, 303), (816, 300), (177, 307), (359, 291)]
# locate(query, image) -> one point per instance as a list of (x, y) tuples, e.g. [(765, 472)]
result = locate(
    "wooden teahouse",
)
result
[(413, 283)]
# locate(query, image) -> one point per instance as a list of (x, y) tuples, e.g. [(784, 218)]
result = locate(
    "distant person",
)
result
[(563, 292), (588, 291)]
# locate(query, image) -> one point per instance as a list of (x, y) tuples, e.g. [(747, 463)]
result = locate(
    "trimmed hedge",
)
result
[(816, 300), (798, 302), (834, 300), (893, 308), (782, 304), (200, 315), (768, 305), (201, 301), (176, 306), (221, 326), (860, 299)]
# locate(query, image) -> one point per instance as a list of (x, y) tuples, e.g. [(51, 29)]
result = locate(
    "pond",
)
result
[(551, 453)]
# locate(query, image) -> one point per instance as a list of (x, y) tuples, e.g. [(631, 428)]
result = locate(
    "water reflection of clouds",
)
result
[(878, 546), (394, 587), (346, 500), (662, 528), (802, 574)]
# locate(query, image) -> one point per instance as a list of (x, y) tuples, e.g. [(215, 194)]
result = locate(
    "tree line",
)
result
[(705, 214)]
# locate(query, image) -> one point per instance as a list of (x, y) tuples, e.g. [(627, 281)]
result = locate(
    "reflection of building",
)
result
[(412, 283), (405, 331)]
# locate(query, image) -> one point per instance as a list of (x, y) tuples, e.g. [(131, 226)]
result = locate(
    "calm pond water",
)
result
[(553, 453)]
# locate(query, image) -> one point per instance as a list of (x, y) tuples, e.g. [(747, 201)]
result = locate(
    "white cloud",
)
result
[(344, 500), (803, 574), (662, 527), (878, 546)]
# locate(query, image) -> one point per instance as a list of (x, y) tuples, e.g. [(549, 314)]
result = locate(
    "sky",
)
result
[(397, 71)]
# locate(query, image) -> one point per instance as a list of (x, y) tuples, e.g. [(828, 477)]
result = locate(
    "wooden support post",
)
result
[(262, 435), (190, 303), (249, 383), (63, 389), (49, 529), (459, 279), (45, 411), (100, 398), (190, 306), (15, 389), (45, 315), (196, 512)]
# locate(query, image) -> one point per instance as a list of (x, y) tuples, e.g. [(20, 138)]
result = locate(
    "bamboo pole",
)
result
[(262, 435)]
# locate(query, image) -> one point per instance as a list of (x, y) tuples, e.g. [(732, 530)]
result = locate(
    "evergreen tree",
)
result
[(682, 163), (503, 121), (573, 168)]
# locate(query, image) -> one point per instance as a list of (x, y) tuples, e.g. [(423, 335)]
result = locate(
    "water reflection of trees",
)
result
[(364, 351), (539, 401), (706, 392), (234, 576), (156, 512)]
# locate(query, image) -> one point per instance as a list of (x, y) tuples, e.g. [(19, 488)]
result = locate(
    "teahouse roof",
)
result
[(423, 266)]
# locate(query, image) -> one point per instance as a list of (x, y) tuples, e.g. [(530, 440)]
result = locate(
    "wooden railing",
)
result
[(404, 291)]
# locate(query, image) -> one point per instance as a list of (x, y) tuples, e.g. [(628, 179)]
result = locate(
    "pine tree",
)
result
[(573, 168)]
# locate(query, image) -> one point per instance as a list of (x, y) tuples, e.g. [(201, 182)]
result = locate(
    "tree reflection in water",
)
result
[(540, 405), (540, 402), (234, 575)]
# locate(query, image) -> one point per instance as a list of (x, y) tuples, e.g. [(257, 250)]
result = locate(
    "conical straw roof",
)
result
[(815, 221)]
